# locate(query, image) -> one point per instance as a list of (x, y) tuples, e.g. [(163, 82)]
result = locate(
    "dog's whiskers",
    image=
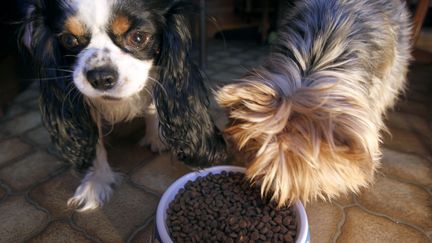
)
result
[(59, 69), (160, 84), (71, 88), (46, 79)]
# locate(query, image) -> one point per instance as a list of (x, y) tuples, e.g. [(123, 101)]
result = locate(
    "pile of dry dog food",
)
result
[(226, 208)]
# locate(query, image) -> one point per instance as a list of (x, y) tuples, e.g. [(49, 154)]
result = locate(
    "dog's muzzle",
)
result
[(102, 78)]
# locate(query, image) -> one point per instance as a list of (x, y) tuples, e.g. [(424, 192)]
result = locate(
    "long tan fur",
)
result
[(308, 120)]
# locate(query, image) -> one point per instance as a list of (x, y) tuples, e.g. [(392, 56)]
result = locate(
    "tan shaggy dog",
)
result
[(308, 120)]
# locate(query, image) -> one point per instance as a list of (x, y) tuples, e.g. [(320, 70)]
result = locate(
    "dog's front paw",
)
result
[(155, 143), (93, 192)]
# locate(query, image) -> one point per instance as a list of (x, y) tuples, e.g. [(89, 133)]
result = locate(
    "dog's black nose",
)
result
[(102, 78)]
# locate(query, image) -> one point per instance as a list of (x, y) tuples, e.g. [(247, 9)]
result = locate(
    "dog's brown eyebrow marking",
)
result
[(74, 26), (120, 24)]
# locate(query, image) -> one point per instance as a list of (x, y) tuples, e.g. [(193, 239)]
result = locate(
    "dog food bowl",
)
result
[(161, 231)]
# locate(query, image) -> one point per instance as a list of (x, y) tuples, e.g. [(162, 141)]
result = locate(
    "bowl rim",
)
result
[(171, 192)]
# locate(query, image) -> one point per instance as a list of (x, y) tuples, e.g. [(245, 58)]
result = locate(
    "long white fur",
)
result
[(96, 186)]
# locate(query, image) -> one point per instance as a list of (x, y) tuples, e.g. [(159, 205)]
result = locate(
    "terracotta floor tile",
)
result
[(160, 173), (26, 172), (420, 125), (29, 94), (405, 141), (60, 232), (13, 111), (53, 194), (32, 104), (40, 136), (407, 167), (128, 209), (11, 149), (22, 123), (413, 107), (397, 120), (20, 220), (400, 201), (323, 221), (409, 122), (363, 227), (128, 156)]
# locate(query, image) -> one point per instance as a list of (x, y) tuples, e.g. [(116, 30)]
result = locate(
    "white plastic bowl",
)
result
[(162, 233)]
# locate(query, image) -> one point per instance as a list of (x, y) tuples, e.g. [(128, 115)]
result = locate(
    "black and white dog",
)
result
[(105, 61)]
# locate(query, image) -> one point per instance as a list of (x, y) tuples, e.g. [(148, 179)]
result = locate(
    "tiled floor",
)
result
[(35, 184)]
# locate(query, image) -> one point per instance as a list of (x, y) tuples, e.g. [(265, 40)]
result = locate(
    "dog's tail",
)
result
[(305, 138)]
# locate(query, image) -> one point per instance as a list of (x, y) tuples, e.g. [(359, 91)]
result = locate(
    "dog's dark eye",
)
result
[(137, 39), (69, 41)]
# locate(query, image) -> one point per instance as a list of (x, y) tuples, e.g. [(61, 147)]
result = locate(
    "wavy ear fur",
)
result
[(64, 111), (182, 99)]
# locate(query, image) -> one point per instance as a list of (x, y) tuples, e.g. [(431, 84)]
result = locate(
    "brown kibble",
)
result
[(288, 237), (278, 219), (232, 220), (260, 225), (286, 221), (226, 208), (255, 236), (266, 219)]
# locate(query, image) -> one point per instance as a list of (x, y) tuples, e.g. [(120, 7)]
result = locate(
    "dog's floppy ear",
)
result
[(64, 112), (182, 99)]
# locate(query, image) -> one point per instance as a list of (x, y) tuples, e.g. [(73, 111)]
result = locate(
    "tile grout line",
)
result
[(9, 162), (59, 172), (37, 183), (396, 221), (25, 111), (49, 177), (65, 221), (50, 222), (341, 222), (143, 188), (8, 119), (46, 211), (74, 226), (409, 182), (25, 138), (128, 177), (147, 223)]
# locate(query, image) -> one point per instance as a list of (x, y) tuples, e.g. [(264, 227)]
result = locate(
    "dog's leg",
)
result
[(152, 136), (96, 187)]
